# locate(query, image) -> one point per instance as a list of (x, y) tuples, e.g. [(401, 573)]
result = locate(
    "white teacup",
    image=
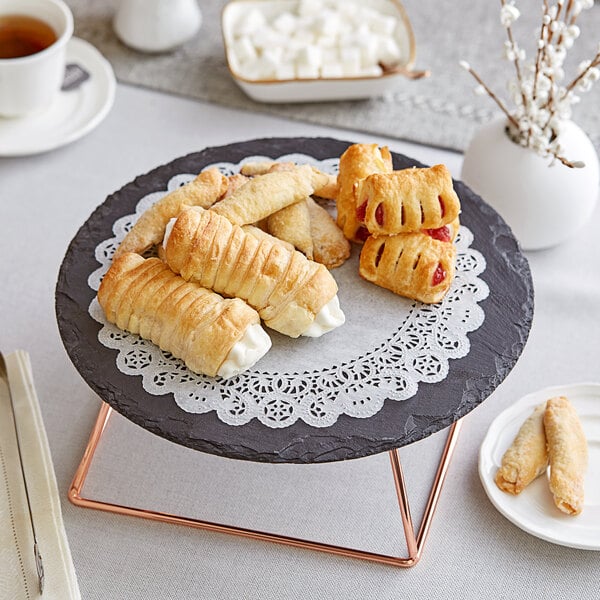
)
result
[(30, 83)]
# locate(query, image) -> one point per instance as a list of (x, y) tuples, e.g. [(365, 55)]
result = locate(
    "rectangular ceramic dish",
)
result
[(318, 88)]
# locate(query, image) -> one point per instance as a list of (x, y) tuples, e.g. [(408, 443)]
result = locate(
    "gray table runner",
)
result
[(440, 111)]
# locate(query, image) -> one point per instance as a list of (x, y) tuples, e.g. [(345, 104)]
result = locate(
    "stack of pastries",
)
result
[(255, 247), (218, 274), (407, 220)]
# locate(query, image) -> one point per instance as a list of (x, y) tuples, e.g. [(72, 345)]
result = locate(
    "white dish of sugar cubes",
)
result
[(314, 50)]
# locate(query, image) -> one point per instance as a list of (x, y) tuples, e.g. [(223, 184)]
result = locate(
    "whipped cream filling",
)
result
[(328, 318), (168, 230), (246, 352)]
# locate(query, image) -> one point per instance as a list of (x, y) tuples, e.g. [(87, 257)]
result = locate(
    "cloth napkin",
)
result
[(18, 576)]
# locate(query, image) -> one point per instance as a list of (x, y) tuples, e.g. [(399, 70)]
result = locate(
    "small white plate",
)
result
[(533, 510), (73, 114)]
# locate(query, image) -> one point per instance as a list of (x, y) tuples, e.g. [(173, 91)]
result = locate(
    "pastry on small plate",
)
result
[(526, 458), (567, 453)]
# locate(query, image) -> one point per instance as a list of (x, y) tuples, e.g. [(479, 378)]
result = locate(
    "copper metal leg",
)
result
[(414, 542)]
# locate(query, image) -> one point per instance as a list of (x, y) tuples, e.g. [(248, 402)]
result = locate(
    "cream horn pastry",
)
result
[(261, 234), (526, 458), (567, 454), (356, 163), (414, 265), (212, 335), (149, 229), (292, 294), (407, 200)]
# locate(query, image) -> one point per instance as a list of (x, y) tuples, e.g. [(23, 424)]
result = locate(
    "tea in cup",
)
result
[(33, 39)]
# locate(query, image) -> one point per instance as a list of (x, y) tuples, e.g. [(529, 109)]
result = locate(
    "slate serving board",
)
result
[(495, 346)]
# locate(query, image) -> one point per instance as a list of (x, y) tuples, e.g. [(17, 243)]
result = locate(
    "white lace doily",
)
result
[(387, 346)]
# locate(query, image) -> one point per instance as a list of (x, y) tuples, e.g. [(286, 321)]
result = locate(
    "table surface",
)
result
[(471, 549)]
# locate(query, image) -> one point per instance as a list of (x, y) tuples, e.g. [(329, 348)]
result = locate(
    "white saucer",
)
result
[(73, 114), (533, 510)]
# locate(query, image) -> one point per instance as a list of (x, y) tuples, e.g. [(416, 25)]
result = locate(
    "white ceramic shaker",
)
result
[(157, 25)]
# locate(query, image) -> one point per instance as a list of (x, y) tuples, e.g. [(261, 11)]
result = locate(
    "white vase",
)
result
[(157, 25), (544, 205)]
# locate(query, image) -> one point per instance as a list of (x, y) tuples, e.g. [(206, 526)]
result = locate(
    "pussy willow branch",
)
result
[(491, 94), (575, 164), (595, 62), (540, 50), (516, 58)]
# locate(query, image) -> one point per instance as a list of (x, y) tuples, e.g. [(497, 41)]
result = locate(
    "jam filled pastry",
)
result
[(149, 229), (407, 200), (356, 163), (292, 294), (445, 233), (414, 265), (567, 453), (527, 457), (213, 335), (265, 194)]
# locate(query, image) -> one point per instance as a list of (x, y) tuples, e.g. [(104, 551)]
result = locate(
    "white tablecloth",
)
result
[(472, 550)]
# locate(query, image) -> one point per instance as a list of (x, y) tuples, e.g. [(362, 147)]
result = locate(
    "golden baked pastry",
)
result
[(286, 288), (407, 200), (265, 194), (144, 296), (567, 453), (356, 163), (261, 234), (292, 224), (526, 458), (325, 184), (149, 229), (330, 246), (410, 264), (234, 183)]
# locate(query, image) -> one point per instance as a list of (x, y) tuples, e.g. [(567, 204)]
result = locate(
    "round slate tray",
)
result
[(495, 346)]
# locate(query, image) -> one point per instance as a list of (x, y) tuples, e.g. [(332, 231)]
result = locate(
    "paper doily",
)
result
[(386, 348)]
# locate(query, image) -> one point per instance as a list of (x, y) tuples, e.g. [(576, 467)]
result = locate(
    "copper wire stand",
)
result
[(414, 543)]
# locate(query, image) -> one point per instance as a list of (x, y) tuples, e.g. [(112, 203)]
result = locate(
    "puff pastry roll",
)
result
[(234, 183), (261, 234), (292, 224), (567, 453), (526, 458), (407, 200), (325, 184), (410, 264), (292, 294), (265, 194), (213, 335), (149, 229), (330, 246), (356, 163)]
